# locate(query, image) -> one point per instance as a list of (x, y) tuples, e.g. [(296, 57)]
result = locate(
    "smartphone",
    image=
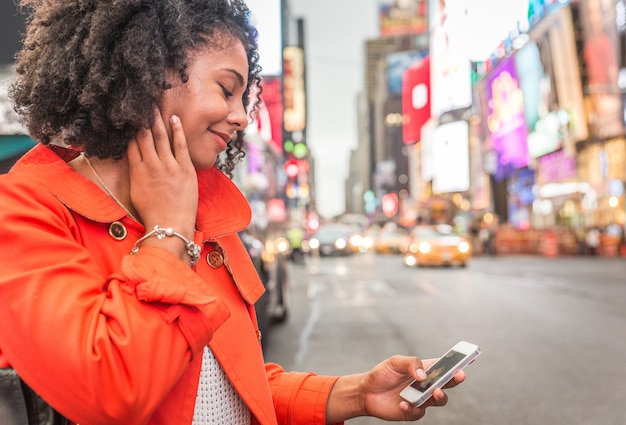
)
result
[(442, 371)]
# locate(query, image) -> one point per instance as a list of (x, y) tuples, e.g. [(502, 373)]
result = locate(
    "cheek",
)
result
[(201, 156), (176, 101), (195, 129)]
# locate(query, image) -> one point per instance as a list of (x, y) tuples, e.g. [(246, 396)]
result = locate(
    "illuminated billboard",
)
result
[(402, 17), (506, 121), (602, 59), (294, 94), (451, 157), (270, 114), (397, 63), (415, 100), (450, 73), (549, 76)]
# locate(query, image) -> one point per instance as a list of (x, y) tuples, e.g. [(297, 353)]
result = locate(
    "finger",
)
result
[(161, 137), (456, 380), (179, 141), (413, 365), (423, 364), (132, 152), (412, 413), (439, 398), (145, 144)]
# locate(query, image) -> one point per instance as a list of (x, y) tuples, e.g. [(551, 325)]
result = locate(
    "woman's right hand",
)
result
[(163, 180)]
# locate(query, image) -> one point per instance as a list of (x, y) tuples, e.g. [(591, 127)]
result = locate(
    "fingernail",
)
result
[(421, 374), (174, 119)]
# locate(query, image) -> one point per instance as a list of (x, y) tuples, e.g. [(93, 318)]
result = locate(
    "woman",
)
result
[(126, 295)]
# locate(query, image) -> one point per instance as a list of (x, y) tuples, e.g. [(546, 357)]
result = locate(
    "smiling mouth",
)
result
[(223, 138)]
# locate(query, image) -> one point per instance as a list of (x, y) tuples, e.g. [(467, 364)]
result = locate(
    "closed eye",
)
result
[(226, 92)]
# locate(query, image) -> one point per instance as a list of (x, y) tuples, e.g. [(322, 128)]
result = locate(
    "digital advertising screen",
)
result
[(397, 63), (540, 105), (294, 94), (450, 73), (506, 121), (451, 157), (415, 100), (270, 114), (603, 63), (402, 17)]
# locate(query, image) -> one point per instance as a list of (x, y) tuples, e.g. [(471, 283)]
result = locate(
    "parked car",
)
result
[(331, 239), (270, 261), (437, 245)]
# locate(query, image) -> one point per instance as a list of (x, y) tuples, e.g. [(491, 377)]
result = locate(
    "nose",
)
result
[(238, 117)]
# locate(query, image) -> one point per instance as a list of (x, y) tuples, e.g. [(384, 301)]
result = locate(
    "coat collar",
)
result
[(222, 208)]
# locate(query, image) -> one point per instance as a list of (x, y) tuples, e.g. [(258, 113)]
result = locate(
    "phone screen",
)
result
[(442, 366)]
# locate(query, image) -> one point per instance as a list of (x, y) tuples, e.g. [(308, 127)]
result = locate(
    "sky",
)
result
[(335, 35)]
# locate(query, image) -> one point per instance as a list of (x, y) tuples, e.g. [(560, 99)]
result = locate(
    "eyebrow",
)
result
[(236, 73)]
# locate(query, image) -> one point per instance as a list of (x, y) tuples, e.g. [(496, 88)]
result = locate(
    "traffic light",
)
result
[(291, 168), (390, 204)]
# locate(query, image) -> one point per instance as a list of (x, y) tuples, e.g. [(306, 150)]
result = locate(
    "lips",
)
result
[(223, 138)]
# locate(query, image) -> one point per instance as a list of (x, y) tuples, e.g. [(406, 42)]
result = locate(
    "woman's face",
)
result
[(210, 104)]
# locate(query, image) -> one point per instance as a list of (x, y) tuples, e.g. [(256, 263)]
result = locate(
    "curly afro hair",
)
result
[(91, 72)]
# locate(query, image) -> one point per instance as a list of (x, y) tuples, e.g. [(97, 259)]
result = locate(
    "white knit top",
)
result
[(217, 401)]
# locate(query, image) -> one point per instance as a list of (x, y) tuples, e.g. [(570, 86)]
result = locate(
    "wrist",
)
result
[(346, 399), (168, 236)]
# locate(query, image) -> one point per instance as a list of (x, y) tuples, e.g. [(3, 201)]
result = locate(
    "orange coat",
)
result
[(110, 338)]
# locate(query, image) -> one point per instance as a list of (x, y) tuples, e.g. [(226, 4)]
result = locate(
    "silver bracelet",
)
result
[(161, 232)]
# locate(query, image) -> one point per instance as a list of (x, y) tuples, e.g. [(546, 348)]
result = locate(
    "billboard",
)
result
[(603, 65), (402, 17), (397, 63), (294, 114), (451, 74), (548, 70), (415, 100), (506, 121), (540, 105), (451, 157), (270, 114), (556, 167)]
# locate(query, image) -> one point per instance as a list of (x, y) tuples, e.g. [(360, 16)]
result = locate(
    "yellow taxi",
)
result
[(437, 245)]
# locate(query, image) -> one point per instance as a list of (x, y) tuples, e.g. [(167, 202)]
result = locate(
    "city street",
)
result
[(552, 332)]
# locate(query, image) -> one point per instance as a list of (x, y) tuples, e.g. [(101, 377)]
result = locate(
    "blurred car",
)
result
[(270, 262), (331, 239), (369, 238), (437, 245), (390, 240), (359, 241)]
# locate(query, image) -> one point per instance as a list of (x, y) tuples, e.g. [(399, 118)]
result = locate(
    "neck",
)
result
[(111, 176)]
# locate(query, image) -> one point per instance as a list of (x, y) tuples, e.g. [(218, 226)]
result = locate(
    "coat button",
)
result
[(215, 259), (117, 231)]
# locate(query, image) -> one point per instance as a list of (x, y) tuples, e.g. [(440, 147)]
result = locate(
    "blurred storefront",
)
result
[(602, 158), (551, 110), (529, 142)]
